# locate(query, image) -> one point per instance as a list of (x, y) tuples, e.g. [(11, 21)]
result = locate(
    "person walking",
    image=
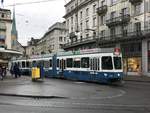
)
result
[(16, 70), (4, 71), (1, 72)]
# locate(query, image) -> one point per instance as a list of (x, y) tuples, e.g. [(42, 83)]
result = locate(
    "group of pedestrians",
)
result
[(2, 72), (15, 70)]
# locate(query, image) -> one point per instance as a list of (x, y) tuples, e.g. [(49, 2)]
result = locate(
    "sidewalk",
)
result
[(137, 78)]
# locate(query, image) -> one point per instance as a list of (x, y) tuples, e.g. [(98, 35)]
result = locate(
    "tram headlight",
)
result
[(118, 75), (105, 74)]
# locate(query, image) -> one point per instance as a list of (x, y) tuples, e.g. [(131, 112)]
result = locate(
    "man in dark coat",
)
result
[(16, 70)]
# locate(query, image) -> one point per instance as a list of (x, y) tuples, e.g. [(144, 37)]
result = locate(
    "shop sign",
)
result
[(117, 51)]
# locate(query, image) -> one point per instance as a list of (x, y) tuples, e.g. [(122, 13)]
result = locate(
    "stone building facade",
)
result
[(112, 23)]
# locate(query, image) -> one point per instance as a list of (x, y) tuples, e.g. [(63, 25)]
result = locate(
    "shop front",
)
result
[(132, 58)]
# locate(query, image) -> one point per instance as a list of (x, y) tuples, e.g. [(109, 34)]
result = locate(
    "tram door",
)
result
[(94, 67), (95, 64), (62, 66)]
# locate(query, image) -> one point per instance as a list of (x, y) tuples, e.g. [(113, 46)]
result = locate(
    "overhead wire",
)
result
[(28, 3)]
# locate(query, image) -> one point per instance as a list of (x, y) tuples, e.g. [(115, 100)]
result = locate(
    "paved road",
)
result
[(80, 97)]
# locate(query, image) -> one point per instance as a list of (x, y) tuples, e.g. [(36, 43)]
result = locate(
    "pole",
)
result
[(144, 14), (98, 26)]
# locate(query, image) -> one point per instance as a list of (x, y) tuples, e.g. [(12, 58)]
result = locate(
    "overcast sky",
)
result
[(33, 20)]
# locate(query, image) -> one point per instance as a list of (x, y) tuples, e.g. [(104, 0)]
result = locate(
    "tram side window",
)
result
[(19, 64), (77, 62), (117, 62), (27, 64), (50, 63), (57, 62), (69, 62), (85, 62), (30, 64), (107, 63), (23, 64), (46, 64)]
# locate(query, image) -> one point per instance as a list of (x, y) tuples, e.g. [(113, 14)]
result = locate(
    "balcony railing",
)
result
[(130, 35), (72, 35), (135, 1), (79, 42), (102, 10), (124, 19)]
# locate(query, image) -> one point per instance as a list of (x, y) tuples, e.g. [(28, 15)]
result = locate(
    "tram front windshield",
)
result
[(117, 62)]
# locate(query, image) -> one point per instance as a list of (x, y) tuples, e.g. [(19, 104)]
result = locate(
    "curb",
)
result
[(137, 79), (31, 96)]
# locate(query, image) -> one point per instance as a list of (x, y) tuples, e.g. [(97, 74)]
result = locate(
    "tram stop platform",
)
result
[(24, 87), (48, 88)]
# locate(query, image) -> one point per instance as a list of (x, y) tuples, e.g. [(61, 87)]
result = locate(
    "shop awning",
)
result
[(7, 54)]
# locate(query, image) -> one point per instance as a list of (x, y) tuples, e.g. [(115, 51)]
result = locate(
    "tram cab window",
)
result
[(69, 62), (23, 64), (117, 62), (77, 62), (85, 62), (34, 64), (50, 63), (107, 63), (46, 64)]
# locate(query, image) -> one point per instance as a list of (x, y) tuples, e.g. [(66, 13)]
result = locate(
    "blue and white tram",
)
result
[(102, 67), (98, 67)]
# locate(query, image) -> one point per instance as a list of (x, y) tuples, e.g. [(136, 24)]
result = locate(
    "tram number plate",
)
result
[(92, 72)]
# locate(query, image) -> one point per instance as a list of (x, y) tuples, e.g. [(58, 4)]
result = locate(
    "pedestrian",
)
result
[(4, 71), (11, 70), (1, 72), (16, 70)]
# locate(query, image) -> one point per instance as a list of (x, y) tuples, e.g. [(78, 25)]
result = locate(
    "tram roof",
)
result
[(87, 51)]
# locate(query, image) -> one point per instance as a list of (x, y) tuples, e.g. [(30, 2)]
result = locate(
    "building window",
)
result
[(87, 35), (113, 2), (112, 32), (87, 11), (64, 39), (60, 39), (71, 20), (124, 30), (137, 9), (112, 15), (60, 46), (87, 24), (102, 20), (3, 15), (103, 33), (137, 26), (71, 7), (102, 3), (81, 26), (68, 23), (81, 37), (81, 15), (94, 21), (124, 11), (94, 8)]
